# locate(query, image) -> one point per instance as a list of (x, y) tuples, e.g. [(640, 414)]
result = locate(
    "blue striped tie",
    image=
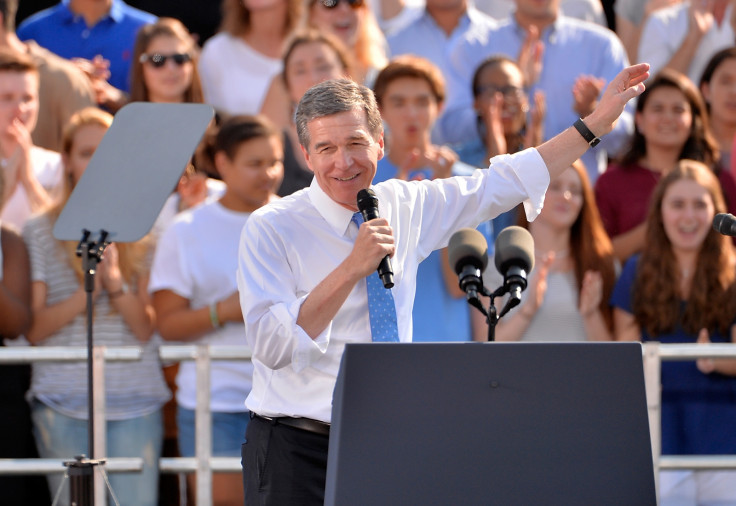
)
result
[(381, 307)]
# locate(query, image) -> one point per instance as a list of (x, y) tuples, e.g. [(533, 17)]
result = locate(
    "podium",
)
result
[(490, 423)]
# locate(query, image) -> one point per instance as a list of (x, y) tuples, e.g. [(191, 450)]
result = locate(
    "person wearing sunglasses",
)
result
[(355, 25), (238, 64), (165, 65)]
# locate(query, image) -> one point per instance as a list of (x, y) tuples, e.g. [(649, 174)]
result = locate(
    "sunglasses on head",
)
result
[(331, 4), (159, 60)]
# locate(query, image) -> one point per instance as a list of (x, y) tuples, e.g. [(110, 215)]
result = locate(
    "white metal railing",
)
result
[(203, 464)]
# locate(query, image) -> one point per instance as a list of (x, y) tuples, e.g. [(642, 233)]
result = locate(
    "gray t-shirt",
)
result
[(558, 318), (133, 389)]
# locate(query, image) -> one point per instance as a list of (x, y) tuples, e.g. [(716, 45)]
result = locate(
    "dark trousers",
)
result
[(283, 465)]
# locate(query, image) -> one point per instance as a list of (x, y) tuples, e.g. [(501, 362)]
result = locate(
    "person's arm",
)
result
[(562, 150), (47, 320), (450, 276), (15, 286), (177, 321), (132, 303), (725, 366), (18, 142), (700, 21), (513, 325), (375, 241), (630, 242), (625, 327), (591, 295)]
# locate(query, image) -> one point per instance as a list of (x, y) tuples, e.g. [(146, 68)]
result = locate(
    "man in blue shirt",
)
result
[(570, 60), (410, 93), (88, 28), (433, 32)]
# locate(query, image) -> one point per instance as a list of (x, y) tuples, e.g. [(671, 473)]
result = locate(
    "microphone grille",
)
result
[(514, 245), (367, 199), (467, 245)]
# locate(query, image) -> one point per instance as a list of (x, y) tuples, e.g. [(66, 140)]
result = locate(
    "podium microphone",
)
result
[(514, 260), (368, 207), (468, 255), (725, 224)]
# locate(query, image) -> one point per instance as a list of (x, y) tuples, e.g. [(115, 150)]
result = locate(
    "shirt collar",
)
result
[(547, 33), (116, 11), (334, 214)]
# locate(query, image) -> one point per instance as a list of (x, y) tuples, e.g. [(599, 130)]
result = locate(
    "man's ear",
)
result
[(380, 143), (306, 156)]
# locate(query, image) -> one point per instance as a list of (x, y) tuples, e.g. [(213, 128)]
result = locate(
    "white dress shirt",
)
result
[(288, 247)]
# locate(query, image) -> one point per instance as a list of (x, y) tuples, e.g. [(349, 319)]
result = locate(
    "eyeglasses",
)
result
[(509, 91), (158, 60), (331, 4)]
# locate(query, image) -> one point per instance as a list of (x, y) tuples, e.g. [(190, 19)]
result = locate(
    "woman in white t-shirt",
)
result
[(195, 292), (238, 64)]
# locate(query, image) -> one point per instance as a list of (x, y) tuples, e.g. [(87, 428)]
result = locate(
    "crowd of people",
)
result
[(623, 243)]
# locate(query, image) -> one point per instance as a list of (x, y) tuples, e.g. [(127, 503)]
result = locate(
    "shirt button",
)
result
[(85, 34)]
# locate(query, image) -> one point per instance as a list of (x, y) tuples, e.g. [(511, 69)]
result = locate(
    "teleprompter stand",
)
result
[(127, 182)]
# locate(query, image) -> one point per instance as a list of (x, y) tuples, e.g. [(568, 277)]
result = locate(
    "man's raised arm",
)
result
[(562, 150)]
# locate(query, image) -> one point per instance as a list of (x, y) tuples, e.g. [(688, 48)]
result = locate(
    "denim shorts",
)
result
[(228, 432)]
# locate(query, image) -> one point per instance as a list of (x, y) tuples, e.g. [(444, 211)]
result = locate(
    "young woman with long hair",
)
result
[(681, 289), (574, 275), (671, 124)]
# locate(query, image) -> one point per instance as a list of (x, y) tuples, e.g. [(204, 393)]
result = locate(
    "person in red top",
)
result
[(671, 124)]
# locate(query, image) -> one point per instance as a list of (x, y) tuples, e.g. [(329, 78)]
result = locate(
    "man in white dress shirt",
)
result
[(303, 266)]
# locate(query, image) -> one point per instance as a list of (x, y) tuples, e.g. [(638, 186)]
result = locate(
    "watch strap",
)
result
[(589, 136)]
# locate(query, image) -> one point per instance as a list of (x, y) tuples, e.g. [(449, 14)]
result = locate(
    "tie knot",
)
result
[(357, 219)]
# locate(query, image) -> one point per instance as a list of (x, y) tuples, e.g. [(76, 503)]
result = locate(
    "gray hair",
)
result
[(333, 97)]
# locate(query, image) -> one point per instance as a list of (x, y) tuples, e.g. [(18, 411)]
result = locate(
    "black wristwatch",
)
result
[(589, 136)]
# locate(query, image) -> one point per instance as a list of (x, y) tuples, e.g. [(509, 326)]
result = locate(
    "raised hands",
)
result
[(537, 288), (585, 94), (439, 159), (535, 128), (629, 83), (530, 56), (591, 293)]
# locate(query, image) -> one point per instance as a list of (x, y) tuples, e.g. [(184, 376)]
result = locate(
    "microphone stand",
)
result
[(492, 315), (81, 470)]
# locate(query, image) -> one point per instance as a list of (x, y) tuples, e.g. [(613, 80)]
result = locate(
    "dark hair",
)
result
[(236, 130), (12, 61), (700, 144), (163, 27), (715, 62), (333, 97), (8, 8), (414, 67), (492, 61)]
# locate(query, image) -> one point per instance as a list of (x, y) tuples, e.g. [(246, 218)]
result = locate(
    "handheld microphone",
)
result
[(514, 260), (468, 255), (368, 207), (725, 224)]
